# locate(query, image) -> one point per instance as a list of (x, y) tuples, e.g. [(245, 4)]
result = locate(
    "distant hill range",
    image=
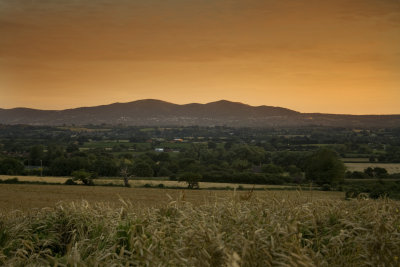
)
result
[(150, 112)]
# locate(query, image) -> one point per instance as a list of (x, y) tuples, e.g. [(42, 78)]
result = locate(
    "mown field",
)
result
[(159, 227), (361, 166)]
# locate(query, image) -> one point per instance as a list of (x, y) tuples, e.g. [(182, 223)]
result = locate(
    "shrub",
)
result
[(11, 181), (83, 176), (70, 182), (378, 191), (326, 187), (375, 189)]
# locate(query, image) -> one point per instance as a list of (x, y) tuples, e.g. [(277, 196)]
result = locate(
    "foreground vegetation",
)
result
[(240, 230)]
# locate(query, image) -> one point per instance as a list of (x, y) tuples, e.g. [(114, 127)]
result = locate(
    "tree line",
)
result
[(235, 163)]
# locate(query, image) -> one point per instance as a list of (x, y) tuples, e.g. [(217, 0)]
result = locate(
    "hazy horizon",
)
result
[(333, 56)]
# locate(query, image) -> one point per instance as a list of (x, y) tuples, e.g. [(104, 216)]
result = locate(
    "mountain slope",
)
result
[(153, 112)]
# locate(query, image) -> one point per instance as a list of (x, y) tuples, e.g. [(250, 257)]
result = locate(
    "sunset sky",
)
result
[(331, 56)]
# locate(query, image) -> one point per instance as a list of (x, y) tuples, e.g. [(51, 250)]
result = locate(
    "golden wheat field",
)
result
[(107, 226)]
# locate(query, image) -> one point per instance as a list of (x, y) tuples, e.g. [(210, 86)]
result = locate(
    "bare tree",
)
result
[(125, 174)]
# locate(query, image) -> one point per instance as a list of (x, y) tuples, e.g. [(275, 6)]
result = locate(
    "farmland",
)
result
[(26, 197), (220, 157), (196, 228), (50, 215)]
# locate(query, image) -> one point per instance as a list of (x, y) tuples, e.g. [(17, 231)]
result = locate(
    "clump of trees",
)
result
[(376, 172)]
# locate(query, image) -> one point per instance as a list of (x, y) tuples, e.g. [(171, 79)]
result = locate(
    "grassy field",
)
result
[(155, 227), (390, 167), (26, 197), (46, 179)]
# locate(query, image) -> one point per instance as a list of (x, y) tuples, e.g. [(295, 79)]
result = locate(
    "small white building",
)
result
[(159, 150)]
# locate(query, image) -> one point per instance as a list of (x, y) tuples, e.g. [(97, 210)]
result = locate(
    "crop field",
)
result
[(25, 197), (360, 166), (141, 182), (156, 227)]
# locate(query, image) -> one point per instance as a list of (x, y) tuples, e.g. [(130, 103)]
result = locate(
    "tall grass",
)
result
[(235, 231)]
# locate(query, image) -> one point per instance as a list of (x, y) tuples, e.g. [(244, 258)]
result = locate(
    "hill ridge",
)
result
[(155, 112)]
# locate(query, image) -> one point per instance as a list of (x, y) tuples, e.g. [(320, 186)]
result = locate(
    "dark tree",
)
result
[(191, 178), (272, 168), (325, 167), (142, 169), (212, 145), (11, 166), (36, 154)]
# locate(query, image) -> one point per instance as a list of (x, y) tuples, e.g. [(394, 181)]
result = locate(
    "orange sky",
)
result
[(332, 56)]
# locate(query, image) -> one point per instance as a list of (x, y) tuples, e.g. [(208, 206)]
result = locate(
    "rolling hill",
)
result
[(151, 112)]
